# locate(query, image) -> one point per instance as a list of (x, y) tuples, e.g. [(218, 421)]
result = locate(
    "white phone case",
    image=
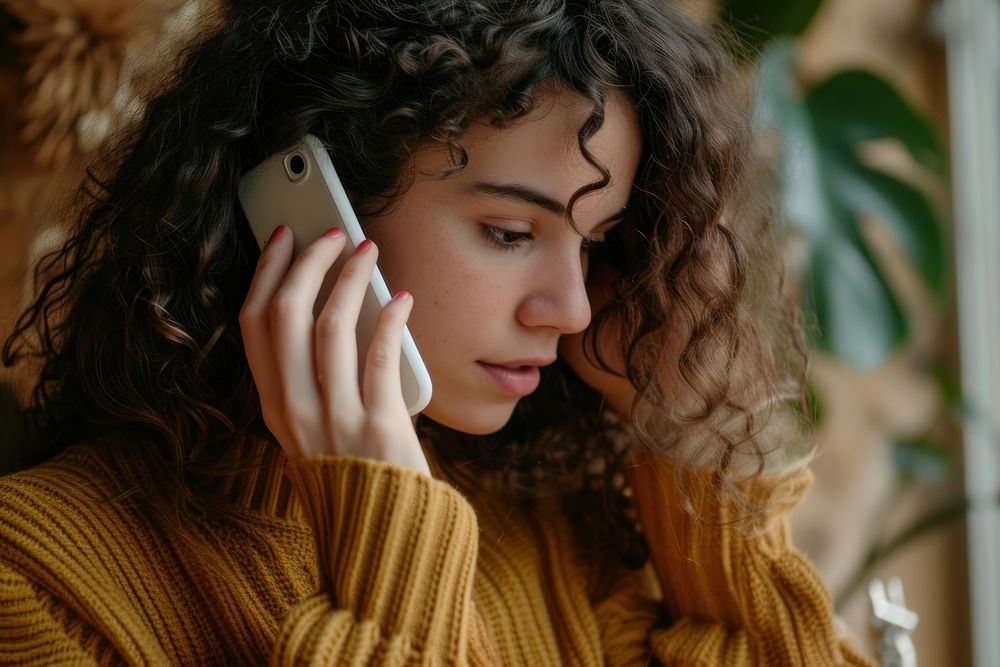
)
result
[(299, 187)]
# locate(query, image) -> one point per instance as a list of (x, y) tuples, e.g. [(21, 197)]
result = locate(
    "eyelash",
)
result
[(495, 235)]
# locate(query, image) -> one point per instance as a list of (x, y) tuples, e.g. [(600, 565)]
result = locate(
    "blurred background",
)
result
[(880, 120)]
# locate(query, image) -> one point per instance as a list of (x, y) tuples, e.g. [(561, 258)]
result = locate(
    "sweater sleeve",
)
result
[(732, 593), (30, 631), (397, 552)]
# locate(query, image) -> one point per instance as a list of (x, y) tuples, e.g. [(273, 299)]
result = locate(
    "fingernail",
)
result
[(400, 295), (364, 246), (332, 233), (278, 231)]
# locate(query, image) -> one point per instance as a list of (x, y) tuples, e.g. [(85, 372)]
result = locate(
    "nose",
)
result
[(557, 296)]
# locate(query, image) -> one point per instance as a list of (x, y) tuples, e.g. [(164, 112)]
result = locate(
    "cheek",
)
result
[(465, 293), (456, 294), (456, 304)]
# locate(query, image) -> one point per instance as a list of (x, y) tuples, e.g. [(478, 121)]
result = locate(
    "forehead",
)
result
[(542, 150)]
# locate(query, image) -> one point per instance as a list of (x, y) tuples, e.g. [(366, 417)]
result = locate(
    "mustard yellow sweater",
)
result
[(341, 560)]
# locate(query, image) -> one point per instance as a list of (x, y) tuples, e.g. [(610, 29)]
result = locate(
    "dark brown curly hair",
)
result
[(135, 320)]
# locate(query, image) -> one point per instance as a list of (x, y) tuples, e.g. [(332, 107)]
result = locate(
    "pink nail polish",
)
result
[(278, 231), (401, 294), (364, 246), (332, 233)]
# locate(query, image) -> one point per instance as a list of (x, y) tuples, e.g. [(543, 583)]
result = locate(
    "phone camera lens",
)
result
[(295, 166)]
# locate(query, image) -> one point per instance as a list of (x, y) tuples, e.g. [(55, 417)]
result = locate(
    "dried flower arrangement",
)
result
[(80, 60)]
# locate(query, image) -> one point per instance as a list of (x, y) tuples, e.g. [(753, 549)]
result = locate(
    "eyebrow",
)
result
[(529, 195)]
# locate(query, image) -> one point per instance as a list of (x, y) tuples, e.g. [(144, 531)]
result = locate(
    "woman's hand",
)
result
[(306, 367), (618, 391)]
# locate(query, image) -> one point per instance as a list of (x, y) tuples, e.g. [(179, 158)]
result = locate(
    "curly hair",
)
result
[(136, 316)]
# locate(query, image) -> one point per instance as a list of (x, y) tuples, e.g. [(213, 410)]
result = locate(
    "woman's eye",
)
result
[(503, 239)]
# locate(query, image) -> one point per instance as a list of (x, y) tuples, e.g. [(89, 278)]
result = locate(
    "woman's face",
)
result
[(496, 272)]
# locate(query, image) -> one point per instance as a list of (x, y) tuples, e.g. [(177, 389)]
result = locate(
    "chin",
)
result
[(472, 419)]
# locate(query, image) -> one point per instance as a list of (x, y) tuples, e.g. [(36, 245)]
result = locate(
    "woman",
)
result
[(553, 187)]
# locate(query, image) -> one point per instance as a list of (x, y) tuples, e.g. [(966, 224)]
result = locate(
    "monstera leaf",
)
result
[(756, 23), (828, 189)]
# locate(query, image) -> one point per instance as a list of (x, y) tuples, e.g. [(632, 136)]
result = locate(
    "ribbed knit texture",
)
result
[(340, 560)]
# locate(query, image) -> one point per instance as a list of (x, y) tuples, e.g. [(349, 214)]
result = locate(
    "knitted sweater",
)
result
[(340, 560)]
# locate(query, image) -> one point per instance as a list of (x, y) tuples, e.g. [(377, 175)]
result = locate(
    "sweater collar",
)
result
[(256, 480)]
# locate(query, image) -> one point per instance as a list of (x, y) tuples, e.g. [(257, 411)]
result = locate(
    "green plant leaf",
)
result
[(853, 107), (757, 23), (813, 407), (905, 210), (923, 461), (827, 191), (861, 106), (859, 318), (814, 404)]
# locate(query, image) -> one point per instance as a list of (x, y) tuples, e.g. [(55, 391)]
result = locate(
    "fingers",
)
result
[(305, 367), (255, 326), (336, 343), (290, 316), (271, 268), (380, 388)]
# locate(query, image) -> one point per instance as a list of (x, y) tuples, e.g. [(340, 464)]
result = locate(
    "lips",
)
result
[(527, 361), (518, 380)]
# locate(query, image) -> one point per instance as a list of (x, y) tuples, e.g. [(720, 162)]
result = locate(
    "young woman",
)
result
[(559, 191)]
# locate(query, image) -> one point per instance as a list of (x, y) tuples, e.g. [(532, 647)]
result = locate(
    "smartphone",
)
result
[(299, 187)]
